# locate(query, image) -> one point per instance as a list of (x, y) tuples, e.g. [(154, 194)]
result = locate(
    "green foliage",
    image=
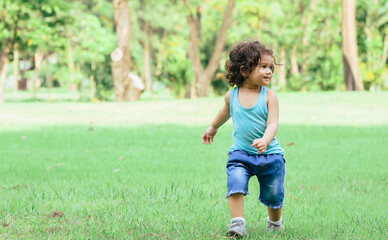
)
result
[(178, 72), (219, 84), (34, 24), (88, 26), (325, 69), (167, 31), (92, 39), (220, 87), (372, 28)]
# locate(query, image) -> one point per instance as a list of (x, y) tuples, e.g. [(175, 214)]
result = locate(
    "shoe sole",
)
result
[(234, 234)]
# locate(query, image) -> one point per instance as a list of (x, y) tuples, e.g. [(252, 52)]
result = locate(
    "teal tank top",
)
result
[(250, 123)]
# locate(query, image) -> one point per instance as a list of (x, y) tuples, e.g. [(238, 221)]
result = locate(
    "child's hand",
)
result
[(208, 135), (260, 144)]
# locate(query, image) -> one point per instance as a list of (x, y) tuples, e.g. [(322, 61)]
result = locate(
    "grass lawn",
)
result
[(139, 170)]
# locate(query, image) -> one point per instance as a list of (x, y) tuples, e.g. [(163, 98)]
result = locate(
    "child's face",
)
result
[(262, 74)]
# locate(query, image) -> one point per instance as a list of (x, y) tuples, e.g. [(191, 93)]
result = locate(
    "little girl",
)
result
[(255, 151)]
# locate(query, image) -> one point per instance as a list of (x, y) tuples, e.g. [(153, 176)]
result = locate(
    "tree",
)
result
[(88, 44), (372, 28), (153, 20), (3, 68), (125, 87), (84, 63), (28, 26), (8, 28), (203, 76), (349, 47)]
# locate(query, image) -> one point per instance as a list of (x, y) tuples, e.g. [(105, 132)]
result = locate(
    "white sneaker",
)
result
[(237, 227), (274, 226)]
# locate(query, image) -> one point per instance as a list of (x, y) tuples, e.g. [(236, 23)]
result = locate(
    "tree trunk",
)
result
[(147, 59), (121, 64), (77, 84), (349, 47), (282, 70), (385, 52), (38, 57), (192, 46), (294, 62), (383, 60), (3, 76), (305, 22), (203, 76), (92, 83), (146, 50), (70, 62), (15, 66), (202, 85), (3, 68), (159, 62)]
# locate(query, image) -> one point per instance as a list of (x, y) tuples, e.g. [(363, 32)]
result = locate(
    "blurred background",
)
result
[(126, 50)]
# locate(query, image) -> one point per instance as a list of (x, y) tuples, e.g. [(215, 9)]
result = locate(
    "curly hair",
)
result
[(243, 59)]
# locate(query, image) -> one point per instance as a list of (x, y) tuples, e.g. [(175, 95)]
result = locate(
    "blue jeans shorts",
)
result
[(269, 170)]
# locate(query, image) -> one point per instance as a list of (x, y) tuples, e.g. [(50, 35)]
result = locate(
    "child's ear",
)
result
[(243, 71)]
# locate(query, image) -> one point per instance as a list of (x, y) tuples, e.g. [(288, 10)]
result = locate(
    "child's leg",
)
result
[(238, 177), (274, 220), (272, 190), (236, 205), (236, 208), (274, 214)]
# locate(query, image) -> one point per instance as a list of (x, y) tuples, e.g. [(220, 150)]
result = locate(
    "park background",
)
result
[(100, 132), (94, 48)]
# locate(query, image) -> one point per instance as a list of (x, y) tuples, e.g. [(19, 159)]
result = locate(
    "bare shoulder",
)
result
[(227, 96), (271, 96)]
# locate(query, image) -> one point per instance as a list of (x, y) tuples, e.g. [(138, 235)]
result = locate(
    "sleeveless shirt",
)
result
[(250, 123)]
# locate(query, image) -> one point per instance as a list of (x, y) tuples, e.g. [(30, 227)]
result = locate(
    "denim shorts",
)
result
[(269, 170)]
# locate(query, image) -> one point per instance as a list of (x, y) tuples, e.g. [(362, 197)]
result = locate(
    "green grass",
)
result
[(139, 170)]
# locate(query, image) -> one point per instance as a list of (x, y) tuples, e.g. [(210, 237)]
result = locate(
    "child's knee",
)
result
[(237, 183), (273, 198)]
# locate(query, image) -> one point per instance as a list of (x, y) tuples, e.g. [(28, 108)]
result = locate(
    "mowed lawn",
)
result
[(139, 170)]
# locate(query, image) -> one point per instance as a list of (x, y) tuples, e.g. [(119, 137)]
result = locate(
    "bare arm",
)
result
[(273, 117), (224, 113), (272, 123), (222, 116)]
